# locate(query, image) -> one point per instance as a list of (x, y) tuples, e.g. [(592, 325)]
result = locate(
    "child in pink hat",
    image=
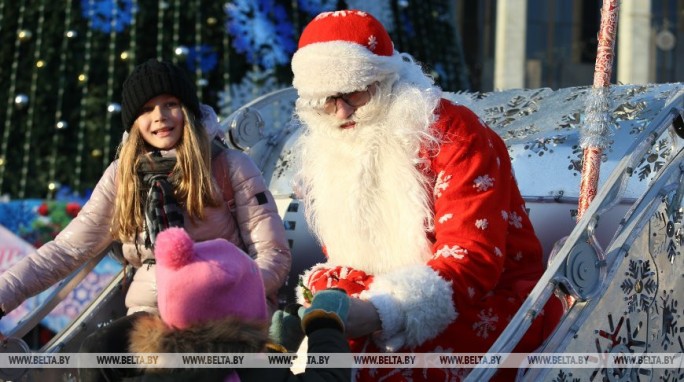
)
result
[(211, 300)]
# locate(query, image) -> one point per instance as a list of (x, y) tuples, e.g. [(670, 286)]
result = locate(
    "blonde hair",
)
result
[(194, 187)]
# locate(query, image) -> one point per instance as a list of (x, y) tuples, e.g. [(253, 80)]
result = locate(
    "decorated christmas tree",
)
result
[(63, 63)]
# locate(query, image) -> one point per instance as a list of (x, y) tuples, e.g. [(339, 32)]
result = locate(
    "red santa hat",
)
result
[(205, 281), (342, 52)]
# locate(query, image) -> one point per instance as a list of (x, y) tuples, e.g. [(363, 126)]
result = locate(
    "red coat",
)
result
[(485, 255)]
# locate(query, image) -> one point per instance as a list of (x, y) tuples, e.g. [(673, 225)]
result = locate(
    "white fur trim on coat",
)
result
[(299, 291), (414, 304), (328, 68)]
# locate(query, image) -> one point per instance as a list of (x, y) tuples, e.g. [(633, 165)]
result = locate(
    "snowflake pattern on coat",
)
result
[(515, 220), (487, 323), (444, 218), (441, 184), (483, 183), (455, 251)]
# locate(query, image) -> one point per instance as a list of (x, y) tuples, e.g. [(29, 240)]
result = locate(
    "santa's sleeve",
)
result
[(474, 213), (472, 195)]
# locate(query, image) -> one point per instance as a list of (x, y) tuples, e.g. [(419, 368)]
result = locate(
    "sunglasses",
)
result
[(354, 99)]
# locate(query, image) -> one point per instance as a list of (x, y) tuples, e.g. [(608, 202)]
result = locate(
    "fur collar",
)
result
[(231, 335)]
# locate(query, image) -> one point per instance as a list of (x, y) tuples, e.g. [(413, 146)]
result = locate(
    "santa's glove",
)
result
[(329, 309), (286, 327)]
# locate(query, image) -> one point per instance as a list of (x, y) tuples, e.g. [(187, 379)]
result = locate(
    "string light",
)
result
[(131, 50), (83, 78), (59, 123), (198, 44), (10, 99), (24, 35), (226, 71), (2, 14), (160, 28), (106, 142), (180, 51), (295, 17), (28, 131)]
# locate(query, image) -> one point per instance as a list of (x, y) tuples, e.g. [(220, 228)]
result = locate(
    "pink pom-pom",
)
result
[(173, 248)]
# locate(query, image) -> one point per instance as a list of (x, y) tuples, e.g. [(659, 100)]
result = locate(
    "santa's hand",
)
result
[(363, 318), (329, 308)]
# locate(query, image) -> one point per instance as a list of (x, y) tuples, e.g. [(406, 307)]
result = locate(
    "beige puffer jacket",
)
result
[(254, 225)]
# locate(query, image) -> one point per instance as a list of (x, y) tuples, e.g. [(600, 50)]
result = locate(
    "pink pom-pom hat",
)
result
[(205, 281)]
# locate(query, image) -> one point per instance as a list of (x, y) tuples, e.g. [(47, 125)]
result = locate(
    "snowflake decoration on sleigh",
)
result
[(639, 286)]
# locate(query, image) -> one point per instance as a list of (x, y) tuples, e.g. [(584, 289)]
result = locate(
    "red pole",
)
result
[(595, 135)]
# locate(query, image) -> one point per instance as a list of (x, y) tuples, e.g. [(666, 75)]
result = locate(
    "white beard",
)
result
[(365, 197)]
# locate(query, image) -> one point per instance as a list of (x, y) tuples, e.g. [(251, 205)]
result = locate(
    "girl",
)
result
[(170, 171)]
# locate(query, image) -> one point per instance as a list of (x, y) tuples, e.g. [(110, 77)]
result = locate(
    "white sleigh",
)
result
[(623, 262)]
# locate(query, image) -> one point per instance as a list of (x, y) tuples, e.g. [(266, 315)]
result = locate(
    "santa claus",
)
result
[(414, 200)]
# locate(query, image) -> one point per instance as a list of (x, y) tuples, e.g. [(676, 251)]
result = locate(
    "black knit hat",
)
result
[(151, 79)]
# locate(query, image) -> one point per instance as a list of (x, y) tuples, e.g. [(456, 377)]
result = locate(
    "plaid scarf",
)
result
[(161, 209)]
